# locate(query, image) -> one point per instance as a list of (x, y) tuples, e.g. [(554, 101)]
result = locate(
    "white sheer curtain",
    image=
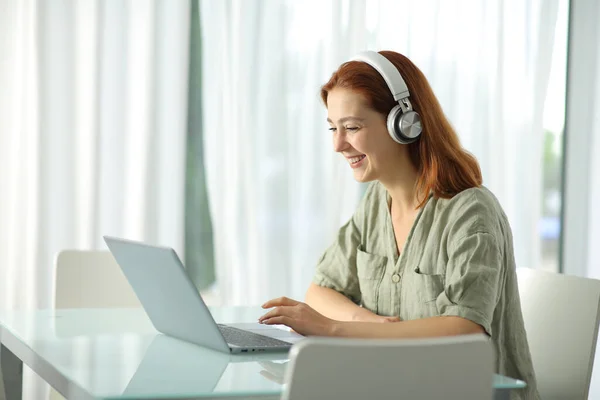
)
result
[(92, 133), (277, 191)]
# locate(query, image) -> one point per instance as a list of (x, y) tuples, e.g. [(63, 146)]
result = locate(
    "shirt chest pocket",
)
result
[(421, 291), (370, 269)]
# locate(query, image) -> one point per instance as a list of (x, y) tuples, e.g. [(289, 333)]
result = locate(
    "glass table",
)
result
[(117, 354)]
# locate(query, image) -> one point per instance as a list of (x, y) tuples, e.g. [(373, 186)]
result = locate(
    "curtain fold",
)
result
[(199, 247)]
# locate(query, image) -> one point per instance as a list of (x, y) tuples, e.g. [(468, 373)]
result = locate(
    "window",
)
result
[(554, 122)]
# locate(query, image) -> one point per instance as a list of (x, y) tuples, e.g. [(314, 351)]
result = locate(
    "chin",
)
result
[(364, 177)]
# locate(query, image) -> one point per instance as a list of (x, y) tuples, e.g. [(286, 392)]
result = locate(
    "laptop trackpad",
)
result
[(280, 332)]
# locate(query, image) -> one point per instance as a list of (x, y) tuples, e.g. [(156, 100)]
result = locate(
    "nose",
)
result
[(339, 141)]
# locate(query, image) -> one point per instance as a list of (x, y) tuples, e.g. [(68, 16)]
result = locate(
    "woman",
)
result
[(429, 250)]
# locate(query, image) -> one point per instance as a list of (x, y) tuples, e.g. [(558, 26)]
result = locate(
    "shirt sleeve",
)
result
[(473, 276), (337, 267)]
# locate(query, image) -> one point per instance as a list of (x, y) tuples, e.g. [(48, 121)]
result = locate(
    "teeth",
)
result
[(354, 160)]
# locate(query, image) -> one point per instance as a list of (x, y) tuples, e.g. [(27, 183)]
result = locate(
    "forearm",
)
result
[(420, 328), (334, 305)]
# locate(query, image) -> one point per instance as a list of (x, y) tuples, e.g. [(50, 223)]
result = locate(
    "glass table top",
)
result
[(117, 354)]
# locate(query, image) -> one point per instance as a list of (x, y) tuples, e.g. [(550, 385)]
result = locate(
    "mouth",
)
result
[(356, 161)]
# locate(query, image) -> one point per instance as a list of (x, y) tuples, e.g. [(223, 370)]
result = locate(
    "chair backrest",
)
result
[(561, 315), (91, 279), (459, 367)]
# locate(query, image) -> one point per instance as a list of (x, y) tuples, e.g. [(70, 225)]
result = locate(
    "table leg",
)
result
[(11, 374)]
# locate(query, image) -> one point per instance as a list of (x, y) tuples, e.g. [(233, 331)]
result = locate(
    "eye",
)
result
[(352, 128), (332, 129)]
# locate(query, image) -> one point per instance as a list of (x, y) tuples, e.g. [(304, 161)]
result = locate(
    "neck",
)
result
[(401, 186)]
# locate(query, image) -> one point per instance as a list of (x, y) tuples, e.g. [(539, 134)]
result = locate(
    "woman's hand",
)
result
[(298, 316)]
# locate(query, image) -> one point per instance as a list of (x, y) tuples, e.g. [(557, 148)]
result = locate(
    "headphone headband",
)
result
[(387, 70), (403, 123)]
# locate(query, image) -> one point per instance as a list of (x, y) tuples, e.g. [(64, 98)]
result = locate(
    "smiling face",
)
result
[(360, 135)]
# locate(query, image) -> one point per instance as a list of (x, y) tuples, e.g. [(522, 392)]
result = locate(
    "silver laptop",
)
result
[(176, 308)]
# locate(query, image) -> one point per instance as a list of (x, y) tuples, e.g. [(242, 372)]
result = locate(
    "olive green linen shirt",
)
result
[(457, 261)]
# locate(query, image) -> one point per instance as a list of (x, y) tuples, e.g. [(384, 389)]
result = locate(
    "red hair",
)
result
[(444, 166)]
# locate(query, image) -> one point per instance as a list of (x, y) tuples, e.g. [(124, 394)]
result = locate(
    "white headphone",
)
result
[(403, 124)]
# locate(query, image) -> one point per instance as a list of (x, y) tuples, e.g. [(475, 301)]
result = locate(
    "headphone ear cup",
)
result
[(404, 128), (409, 126), (393, 125)]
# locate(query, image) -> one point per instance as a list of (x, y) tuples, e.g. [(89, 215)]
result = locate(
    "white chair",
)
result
[(91, 279), (459, 367), (561, 315)]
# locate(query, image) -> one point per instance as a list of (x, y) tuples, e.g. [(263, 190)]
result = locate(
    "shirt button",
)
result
[(395, 278)]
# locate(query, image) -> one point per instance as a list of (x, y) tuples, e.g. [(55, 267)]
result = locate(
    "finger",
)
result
[(280, 301), (279, 320), (277, 311)]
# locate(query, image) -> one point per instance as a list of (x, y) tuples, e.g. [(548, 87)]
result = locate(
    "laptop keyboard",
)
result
[(242, 338)]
